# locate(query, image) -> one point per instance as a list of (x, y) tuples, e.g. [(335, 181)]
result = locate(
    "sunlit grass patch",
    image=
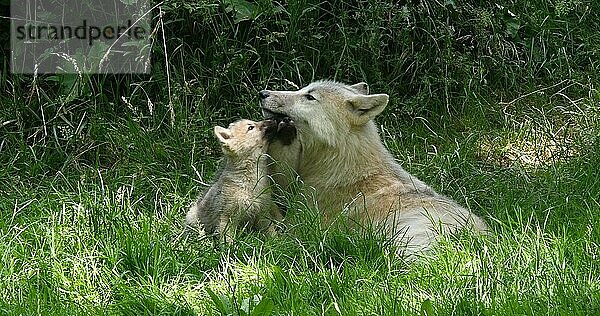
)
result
[(542, 129), (526, 147)]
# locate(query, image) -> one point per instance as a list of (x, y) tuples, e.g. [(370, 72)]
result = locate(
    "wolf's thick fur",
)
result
[(339, 153), (241, 196)]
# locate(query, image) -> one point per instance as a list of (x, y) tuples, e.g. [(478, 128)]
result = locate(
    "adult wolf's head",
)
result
[(325, 111)]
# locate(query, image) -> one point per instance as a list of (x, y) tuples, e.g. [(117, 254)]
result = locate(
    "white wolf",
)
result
[(339, 153)]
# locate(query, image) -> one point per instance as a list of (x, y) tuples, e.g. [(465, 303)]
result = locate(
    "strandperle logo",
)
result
[(70, 36), (87, 32)]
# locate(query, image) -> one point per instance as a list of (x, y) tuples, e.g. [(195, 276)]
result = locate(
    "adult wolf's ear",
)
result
[(223, 134), (365, 107), (361, 87)]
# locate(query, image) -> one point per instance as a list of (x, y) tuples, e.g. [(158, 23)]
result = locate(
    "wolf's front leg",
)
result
[(267, 221)]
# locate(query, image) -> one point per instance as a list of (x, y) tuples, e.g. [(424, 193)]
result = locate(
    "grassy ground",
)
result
[(107, 239), (96, 174)]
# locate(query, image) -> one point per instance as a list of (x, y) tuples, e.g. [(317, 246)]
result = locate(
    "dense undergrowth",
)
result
[(494, 104)]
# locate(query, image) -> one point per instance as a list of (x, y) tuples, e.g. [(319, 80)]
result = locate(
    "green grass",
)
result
[(108, 239), (495, 106)]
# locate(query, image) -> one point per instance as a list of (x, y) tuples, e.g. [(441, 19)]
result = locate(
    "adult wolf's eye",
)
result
[(251, 127), (309, 97)]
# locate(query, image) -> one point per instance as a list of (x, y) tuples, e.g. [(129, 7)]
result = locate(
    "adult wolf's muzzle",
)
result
[(267, 106)]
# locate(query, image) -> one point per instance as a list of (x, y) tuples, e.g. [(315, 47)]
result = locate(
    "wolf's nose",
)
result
[(263, 94)]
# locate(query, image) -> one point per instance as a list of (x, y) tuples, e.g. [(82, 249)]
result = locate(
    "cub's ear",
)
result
[(361, 87), (223, 134), (365, 107)]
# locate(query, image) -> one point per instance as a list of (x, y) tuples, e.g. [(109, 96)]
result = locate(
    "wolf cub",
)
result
[(241, 196)]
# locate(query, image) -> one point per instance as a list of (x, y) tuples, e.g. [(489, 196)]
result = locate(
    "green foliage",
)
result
[(248, 307), (430, 56), (495, 104)]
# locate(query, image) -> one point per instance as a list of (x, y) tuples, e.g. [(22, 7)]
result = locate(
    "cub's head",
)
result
[(246, 138), (325, 111)]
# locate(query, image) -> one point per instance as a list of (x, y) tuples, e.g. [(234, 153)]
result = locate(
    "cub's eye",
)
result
[(251, 127), (309, 97)]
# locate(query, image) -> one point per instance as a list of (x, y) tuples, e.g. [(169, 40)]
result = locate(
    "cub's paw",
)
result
[(286, 131)]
